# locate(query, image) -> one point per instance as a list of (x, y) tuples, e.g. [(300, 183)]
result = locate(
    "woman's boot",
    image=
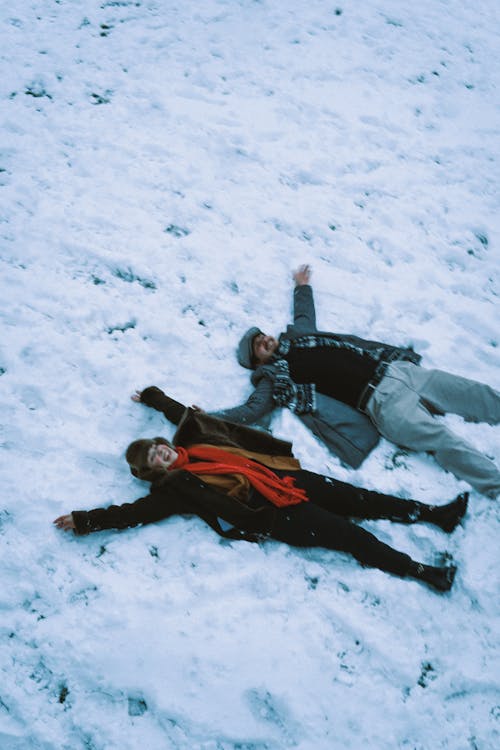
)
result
[(447, 517), (440, 579)]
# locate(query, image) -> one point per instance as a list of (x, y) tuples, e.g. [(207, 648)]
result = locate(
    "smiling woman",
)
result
[(156, 454), (245, 484)]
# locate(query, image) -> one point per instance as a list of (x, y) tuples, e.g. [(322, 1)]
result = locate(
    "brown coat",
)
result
[(182, 493), (197, 427)]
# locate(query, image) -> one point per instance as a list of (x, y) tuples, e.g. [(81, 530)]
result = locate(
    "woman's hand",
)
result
[(65, 523), (136, 397)]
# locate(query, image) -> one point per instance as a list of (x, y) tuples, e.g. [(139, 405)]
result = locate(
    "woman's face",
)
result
[(161, 456)]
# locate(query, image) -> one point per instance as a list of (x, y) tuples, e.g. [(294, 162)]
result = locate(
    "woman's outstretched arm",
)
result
[(157, 399), (259, 404), (145, 510)]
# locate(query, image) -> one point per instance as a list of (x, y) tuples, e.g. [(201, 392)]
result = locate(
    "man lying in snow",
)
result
[(246, 484), (346, 389)]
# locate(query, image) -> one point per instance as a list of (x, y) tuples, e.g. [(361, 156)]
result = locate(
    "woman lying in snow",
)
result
[(246, 484)]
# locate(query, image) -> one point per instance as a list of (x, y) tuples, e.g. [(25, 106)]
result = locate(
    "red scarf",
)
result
[(280, 491)]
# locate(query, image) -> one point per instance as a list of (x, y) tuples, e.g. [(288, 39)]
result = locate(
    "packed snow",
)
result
[(164, 166)]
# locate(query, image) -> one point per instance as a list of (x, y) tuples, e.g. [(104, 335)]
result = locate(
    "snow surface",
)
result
[(163, 168)]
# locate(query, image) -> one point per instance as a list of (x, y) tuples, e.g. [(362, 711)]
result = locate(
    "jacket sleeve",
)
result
[(258, 405), (304, 314), (145, 510), (157, 399)]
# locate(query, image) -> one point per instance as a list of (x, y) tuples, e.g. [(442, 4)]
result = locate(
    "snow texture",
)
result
[(163, 167)]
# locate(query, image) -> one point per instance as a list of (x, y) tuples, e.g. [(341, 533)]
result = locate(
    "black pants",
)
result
[(323, 521)]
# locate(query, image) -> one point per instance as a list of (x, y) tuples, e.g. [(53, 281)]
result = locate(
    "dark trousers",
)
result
[(324, 520)]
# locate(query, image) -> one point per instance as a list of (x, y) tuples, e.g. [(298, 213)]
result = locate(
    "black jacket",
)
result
[(183, 493)]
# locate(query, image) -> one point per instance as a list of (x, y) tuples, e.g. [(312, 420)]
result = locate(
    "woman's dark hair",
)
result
[(137, 458)]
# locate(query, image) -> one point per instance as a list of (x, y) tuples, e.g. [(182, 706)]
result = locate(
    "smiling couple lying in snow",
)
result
[(246, 484)]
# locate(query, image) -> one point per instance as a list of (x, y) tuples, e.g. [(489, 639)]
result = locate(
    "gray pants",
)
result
[(401, 407)]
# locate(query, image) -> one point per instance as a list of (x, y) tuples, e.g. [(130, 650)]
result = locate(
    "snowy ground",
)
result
[(163, 168)]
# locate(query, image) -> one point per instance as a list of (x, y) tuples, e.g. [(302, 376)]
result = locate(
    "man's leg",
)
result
[(474, 401), (398, 413), (451, 394)]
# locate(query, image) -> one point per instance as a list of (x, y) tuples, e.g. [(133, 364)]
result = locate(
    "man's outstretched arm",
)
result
[(259, 405), (304, 314)]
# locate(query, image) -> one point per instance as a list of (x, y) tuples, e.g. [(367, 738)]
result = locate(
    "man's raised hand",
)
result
[(302, 275)]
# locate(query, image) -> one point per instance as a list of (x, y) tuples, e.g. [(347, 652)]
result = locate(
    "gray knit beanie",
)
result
[(245, 350)]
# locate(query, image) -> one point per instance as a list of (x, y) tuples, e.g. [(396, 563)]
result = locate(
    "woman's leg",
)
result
[(346, 500), (308, 525)]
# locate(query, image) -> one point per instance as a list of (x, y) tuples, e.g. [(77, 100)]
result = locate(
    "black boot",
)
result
[(440, 579), (447, 517)]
